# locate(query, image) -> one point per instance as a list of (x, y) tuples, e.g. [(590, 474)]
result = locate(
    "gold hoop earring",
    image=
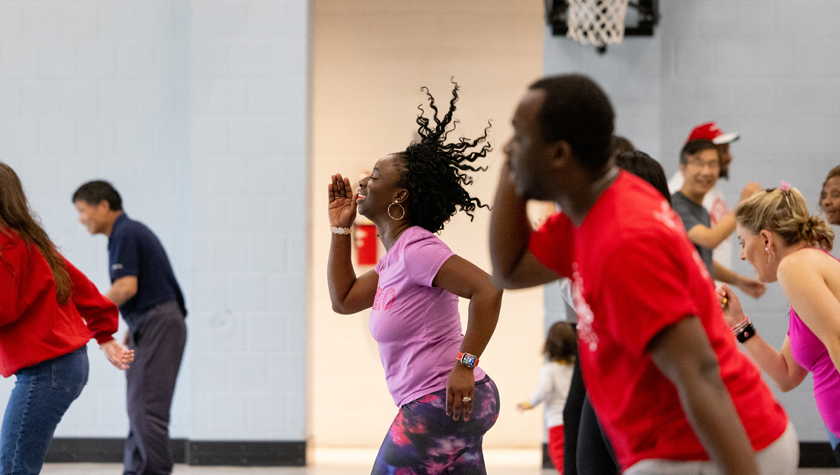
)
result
[(401, 208)]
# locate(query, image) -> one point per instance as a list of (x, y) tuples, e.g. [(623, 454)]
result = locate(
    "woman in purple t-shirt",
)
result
[(447, 403), (783, 242)]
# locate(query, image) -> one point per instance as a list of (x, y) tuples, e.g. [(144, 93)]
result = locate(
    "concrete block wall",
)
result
[(763, 69), (248, 97), (197, 112), (96, 90), (768, 71)]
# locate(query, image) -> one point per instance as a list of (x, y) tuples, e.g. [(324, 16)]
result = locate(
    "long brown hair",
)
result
[(17, 216)]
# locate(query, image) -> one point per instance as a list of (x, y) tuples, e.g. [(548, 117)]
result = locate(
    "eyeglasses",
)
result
[(713, 164)]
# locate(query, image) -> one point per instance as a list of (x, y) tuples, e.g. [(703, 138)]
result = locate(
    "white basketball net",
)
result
[(597, 22)]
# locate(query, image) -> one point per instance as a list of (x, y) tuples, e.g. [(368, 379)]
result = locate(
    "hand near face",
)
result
[(342, 202), (752, 287), (749, 190)]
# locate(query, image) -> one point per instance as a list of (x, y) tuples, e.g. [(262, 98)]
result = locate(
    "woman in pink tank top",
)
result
[(446, 402), (783, 242)]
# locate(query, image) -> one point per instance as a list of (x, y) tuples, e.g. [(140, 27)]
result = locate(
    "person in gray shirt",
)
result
[(700, 166)]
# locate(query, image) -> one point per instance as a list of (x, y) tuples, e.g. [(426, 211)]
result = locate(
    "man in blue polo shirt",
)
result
[(150, 300)]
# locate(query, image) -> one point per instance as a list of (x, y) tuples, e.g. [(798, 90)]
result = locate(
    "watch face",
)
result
[(468, 359)]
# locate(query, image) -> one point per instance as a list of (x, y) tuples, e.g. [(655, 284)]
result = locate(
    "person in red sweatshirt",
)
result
[(48, 312)]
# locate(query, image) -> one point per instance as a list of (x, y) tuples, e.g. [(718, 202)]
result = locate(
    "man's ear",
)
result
[(560, 153), (103, 206)]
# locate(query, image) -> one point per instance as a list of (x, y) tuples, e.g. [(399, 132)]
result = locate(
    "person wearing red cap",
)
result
[(699, 165), (713, 201)]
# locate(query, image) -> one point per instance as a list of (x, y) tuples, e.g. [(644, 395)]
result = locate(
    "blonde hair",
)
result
[(785, 213)]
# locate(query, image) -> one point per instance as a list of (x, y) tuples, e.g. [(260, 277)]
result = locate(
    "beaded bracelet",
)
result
[(744, 330), (738, 326)]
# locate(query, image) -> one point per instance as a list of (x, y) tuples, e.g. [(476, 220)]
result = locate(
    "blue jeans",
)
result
[(41, 396), (833, 439), (835, 444)]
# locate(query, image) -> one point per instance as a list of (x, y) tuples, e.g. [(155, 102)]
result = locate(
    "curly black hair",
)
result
[(434, 172)]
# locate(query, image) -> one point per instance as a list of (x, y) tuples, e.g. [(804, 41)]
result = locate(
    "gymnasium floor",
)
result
[(113, 469), (347, 462)]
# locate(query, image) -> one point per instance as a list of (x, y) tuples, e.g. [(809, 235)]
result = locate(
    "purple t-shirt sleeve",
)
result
[(424, 258)]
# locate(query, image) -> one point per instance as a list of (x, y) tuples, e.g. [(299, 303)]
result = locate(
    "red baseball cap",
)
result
[(712, 132)]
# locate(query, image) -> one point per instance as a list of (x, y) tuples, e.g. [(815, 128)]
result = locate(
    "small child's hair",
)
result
[(561, 342)]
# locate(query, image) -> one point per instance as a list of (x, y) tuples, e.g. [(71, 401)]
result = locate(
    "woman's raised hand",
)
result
[(342, 202)]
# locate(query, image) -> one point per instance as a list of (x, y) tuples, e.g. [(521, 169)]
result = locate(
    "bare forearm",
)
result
[(683, 354), (483, 317), (724, 275), (340, 272), (716, 423), (771, 361), (120, 293), (510, 232), (713, 236), (509, 228)]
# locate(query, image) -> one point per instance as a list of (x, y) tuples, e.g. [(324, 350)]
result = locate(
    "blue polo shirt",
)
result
[(134, 250)]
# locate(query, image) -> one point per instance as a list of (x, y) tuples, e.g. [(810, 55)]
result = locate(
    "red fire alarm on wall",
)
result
[(365, 237), (366, 244)]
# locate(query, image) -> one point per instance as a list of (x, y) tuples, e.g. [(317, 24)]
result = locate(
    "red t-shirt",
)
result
[(34, 327), (635, 273)]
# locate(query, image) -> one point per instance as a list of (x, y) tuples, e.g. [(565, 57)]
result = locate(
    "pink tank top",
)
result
[(812, 355)]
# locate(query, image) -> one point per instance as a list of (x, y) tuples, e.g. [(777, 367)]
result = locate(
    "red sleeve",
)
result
[(100, 314), (14, 257), (649, 280), (552, 244)]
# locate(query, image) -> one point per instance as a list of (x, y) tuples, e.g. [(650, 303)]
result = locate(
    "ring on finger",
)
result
[(466, 399)]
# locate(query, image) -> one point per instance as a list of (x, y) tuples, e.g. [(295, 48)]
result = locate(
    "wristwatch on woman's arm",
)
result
[(468, 360)]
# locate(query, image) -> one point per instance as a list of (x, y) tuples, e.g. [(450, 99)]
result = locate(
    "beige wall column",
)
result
[(370, 59)]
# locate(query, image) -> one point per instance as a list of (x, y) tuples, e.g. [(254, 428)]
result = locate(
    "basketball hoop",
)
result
[(597, 22)]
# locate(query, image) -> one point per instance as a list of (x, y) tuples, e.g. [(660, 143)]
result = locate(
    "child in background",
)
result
[(555, 376)]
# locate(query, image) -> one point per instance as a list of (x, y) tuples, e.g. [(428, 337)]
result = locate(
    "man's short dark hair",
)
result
[(97, 191), (577, 111), (696, 146)]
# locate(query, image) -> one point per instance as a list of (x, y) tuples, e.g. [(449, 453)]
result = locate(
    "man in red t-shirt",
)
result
[(663, 371)]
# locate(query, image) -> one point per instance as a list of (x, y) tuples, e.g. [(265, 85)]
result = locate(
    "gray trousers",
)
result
[(158, 344), (779, 458)]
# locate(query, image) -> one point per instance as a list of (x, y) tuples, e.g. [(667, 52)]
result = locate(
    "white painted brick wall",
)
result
[(764, 69), (196, 111), (248, 207)]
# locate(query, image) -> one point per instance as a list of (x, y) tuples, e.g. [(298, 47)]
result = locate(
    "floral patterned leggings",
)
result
[(423, 440)]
